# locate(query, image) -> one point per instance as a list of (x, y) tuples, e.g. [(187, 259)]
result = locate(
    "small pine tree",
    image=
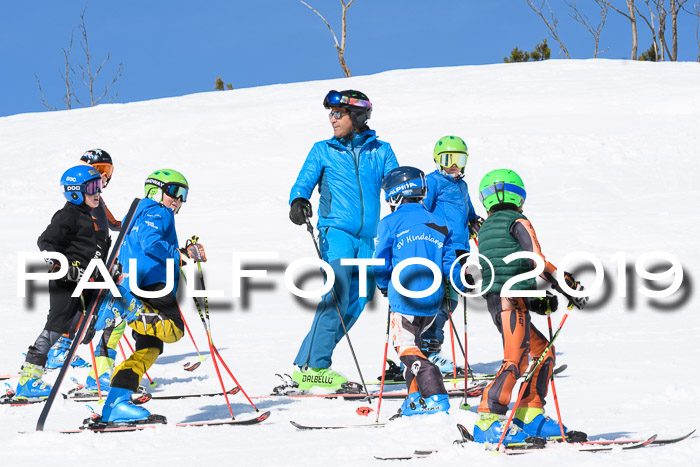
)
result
[(649, 55), (219, 84), (541, 52), (517, 55)]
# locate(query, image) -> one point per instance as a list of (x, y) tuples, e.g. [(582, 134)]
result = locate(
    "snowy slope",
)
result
[(608, 151)]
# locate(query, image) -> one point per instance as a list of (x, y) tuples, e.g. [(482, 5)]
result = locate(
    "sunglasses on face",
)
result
[(176, 191), (337, 115), (448, 159)]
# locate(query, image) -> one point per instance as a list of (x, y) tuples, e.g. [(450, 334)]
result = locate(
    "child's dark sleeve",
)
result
[(56, 233), (524, 233)]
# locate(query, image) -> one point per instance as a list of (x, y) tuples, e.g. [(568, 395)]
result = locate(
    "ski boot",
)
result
[(417, 405), (30, 385), (119, 408), (104, 369), (489, 428), (57, 355), (325, 378), (431, 348), (534, 423)]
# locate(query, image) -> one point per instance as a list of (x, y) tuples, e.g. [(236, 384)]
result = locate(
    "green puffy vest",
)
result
[(496, 242)]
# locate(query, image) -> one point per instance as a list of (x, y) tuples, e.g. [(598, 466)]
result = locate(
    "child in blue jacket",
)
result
[(412, 232), (448, 196)]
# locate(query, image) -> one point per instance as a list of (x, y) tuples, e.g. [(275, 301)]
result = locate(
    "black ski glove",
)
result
[(578, 302), (474, 226), (300, 210), (544, 305), (383, 291)]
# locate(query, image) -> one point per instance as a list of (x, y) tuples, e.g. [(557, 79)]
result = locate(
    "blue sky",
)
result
[(177, 47)]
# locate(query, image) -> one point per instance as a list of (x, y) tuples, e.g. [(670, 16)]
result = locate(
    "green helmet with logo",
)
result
[(501, 186), (450, 150), (168, 181)]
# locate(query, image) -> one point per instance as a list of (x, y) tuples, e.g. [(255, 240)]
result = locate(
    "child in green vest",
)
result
[(507, 231)]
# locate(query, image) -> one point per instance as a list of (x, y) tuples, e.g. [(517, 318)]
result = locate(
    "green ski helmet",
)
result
[(168, 181), (450, 150), (501, 186)]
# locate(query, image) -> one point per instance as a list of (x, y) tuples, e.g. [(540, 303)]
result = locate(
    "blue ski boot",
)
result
[(489, 428), (534, 423), (417, 405), (30, 385), (104, 369), (57, 355), (431, 348), (119, 408)]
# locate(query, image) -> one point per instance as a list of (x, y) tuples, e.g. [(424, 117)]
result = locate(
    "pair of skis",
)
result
[(585, 446)]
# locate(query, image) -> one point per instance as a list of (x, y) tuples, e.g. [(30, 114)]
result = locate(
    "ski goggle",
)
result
[(501, 188), (93, 187), (448, 159), (334, 98), (337, 114), (175, 191), (105, 169)]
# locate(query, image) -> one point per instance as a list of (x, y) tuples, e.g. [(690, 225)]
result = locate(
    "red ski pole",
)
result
[(530, 372), (554, 389), (94, 369), (386, 349)]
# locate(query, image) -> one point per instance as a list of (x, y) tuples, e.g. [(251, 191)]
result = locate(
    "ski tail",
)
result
[(126, 226)]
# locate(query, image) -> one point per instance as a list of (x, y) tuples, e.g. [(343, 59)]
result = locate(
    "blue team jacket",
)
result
[(151, 240), (412, 231), (450, 198), (349, 176)]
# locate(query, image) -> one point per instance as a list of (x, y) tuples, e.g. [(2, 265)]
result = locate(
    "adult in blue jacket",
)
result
[(411, 233), (348, 169), (448, 196)]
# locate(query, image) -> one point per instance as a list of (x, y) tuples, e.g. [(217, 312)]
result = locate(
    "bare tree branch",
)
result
[(340, 48), (43, 99), (588, 24), (632, 17), (553, 32)]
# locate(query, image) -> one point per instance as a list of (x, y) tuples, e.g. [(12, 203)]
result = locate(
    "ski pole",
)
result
[(448, 304), (465, 405), (188, 365), (531, 372), (386, 349), (554, 389), (94, 368), (310, 228), (206, 313)]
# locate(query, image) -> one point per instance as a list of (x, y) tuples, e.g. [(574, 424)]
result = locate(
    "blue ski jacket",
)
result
[(349, 174), (450, 198), (152, 239), (414, 232)]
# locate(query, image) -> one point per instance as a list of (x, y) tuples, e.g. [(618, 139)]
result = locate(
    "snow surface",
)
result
[(608, 151)]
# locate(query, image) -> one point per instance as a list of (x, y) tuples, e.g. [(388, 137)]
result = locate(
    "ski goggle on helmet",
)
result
[(101, 160), (166, 181), (502, 186), (338, 99)]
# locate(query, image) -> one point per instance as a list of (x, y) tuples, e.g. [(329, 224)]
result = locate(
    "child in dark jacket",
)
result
[(72, 232), (411, 232)]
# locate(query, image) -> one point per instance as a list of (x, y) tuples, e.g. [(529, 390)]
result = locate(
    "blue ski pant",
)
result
[(326, 330)]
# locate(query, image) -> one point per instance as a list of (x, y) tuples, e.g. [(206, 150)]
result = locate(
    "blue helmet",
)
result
[(80, 180), (404, 183)]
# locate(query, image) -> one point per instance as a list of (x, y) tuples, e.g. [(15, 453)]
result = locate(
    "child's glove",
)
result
[(578, 302), (300, 210), (474, 226), (75, 272), (544, 305), (193, 251)]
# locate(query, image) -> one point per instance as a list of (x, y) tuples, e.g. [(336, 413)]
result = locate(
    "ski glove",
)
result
[(578, 302), (193, 251), (75, 272), (474, 226), (544, 305), (300, 211), (383, 291)]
